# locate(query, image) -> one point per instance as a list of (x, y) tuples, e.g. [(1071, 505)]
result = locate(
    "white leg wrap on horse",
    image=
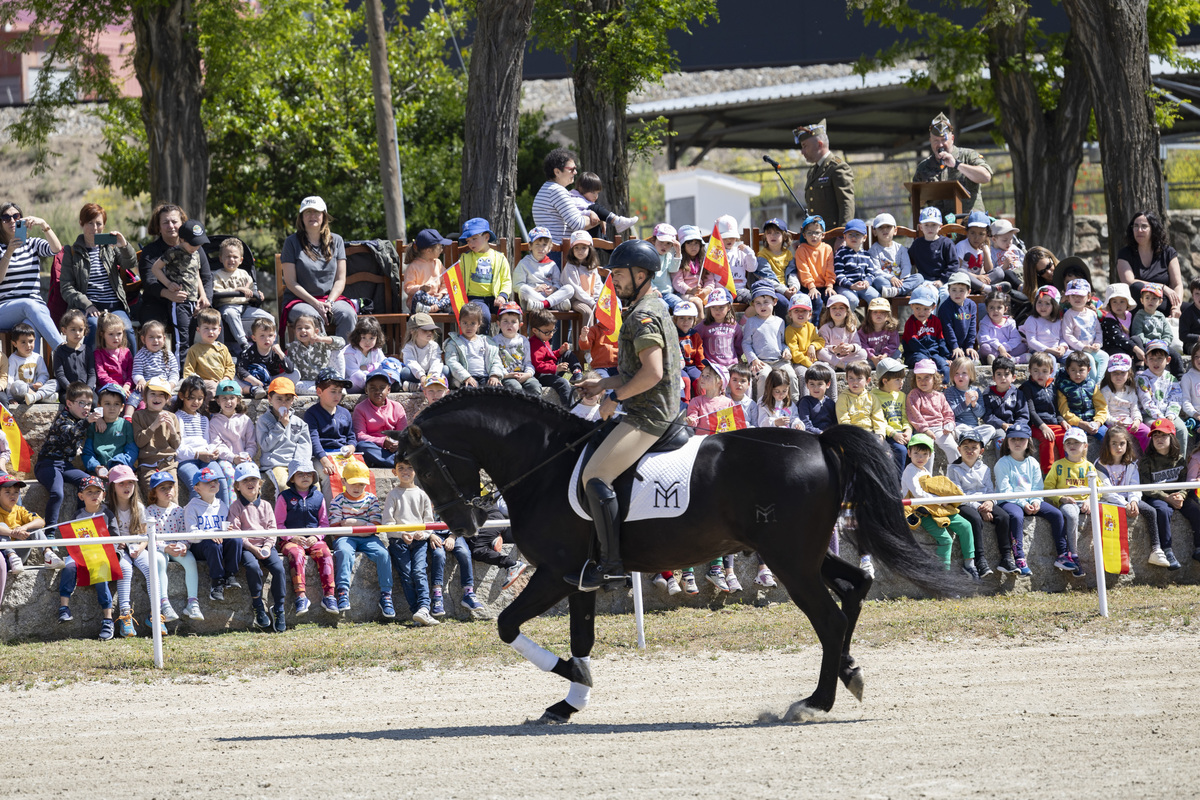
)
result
[(578, 694), (534, 653)]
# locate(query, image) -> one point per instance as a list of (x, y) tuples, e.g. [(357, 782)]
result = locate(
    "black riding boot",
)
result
[(602, 503)]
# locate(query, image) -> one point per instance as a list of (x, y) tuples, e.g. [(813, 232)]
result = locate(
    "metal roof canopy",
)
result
[(875, 113)]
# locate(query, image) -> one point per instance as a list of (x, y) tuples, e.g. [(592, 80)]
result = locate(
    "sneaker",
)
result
[(867, 565), (765, 577), (280, 620), (192, 609), (1023, 568), (1172, 562), (343, 600), (385, 605), (891, 291), (660, 581), (302, 605), (168, 611), (1158, 558), (622, 224), (716, 576), (514, 572), (106, 629), (970, 570), (262, 620), (1008, 564), (673, 586), (52, 560), (437, 606), (982, 565), (1065, 563), (330, 604), (422, 618), (126, 628), (217, 593), (15, 565), (231, 582), (688, 580), (470, 601), (64, 614), (260, 392), (732, 581)]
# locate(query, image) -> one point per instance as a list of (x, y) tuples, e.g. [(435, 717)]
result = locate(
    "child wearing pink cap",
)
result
[(714, 378), (928, 410)]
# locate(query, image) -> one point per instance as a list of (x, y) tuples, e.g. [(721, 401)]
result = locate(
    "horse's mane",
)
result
[(552, 410)]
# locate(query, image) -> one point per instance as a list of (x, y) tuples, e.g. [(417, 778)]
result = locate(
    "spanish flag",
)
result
[(726, 419), (608, 310), (22, 453), (453, 280), (716, 262), (339, 462), (97, 563), (1114, 537)]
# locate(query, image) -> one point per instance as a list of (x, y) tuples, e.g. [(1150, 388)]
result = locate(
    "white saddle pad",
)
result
[(661, 488)]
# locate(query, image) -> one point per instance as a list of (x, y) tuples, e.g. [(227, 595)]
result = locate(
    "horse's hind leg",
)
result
[(583, 636), (809, 593), (851, 585)]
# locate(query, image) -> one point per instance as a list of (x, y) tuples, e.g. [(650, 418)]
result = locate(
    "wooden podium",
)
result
[(936, 193)]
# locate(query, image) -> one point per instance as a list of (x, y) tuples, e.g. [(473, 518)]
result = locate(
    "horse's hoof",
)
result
[(803, 711), (855, 683), (557, 714), (575, 670)]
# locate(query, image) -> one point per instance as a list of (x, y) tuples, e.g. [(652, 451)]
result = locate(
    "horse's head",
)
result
[(451, 480)]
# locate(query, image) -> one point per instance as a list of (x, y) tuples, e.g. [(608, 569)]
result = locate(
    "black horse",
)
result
[(772, 490)]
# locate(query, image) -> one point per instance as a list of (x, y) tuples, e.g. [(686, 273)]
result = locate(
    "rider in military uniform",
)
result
[(949, 162), (829, 190)]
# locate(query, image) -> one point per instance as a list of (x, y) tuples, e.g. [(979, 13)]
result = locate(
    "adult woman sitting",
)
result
[(1147, 258), (314, 271), (91, 278), (165, 221), (553, 207), (21, 274), (1037, 271)]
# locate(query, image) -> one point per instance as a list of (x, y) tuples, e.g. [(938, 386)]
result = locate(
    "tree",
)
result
[(614, 48), (385, 122), (489, 160)]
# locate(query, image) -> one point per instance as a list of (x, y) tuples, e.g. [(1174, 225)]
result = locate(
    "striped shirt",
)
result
[(553, 208), (367, 508), (147, 365), (24, 277), (99, 286)]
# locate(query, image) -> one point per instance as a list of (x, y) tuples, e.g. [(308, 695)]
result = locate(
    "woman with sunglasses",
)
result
[(21, 297), (1038, 271), (553, 207)]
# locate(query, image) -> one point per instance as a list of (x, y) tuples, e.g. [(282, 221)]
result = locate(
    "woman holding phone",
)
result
[(92, 267), (21, 272)]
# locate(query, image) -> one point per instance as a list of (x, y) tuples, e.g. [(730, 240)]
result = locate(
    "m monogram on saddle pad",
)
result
[(657, 488)]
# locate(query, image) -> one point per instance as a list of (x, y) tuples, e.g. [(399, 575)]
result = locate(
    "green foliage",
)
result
[(647, 137)]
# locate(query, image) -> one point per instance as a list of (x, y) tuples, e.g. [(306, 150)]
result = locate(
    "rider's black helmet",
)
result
[(635, 253)]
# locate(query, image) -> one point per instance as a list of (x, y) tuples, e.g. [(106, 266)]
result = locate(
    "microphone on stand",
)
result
[(771, 161), (778, 174)]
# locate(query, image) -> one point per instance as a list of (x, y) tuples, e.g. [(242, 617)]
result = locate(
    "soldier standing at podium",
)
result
[(829, 190), (949, 162)]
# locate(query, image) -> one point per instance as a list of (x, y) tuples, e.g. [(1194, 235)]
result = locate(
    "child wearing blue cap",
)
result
[(853, 266), (485, 272), (110, 440), (249, 512), (207, 513), (812, 266), (424, 291), (923, 336)]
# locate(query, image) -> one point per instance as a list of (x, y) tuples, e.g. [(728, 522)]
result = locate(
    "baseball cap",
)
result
[(508, 308), (930, 214), (923, 295), (328, 375), (800, 300), (720, 370), (281, 385), (429, 237), (192, 232), (1119, 362), (1157, 344), (159, 384), (775, 222), (121, 473), (684, 309), (355, 471), (925, 367), (1019, 430), (920, 440), (978, 219), (883, 219), (665, 233), (856, 226), (312, 201), (540, 232), (228, 388), (474, 226), (961, 278), (434, 379), (1074, 434), (92, 480), (113, 388), (887, 366), (970, 435), (1047, 290), (1003, 226), (1078, 286), (581, 237), (879, 304), (9, 480), (837, 299), (1153, 288), (718, 297), (162, 476), (422, 321), (762, 291), (727, 226), (690, 233), (811, 218), (246, 469), (206, 475), (1163, 425)]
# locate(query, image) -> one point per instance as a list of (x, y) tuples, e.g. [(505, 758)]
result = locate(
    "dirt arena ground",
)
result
[(1084, 716)]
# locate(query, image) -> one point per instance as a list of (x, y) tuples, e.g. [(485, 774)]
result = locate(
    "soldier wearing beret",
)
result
[(829, 190), (948, 162)]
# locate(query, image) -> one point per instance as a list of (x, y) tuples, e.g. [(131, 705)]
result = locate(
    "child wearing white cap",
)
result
[(743, 264), (892, 266), (538, 278), (932, 255), (1081, 325), (580, 271), (839, 329)]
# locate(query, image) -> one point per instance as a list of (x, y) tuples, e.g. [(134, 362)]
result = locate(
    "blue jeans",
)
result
[(437, 563), (855, 296), (115, 309), (254, 576), (66, 585), (224, 558), (1016, 526), (409, 559), (913, 280), (375, 456), (344, 550), (51, 472), (34, 311), (189, 469)]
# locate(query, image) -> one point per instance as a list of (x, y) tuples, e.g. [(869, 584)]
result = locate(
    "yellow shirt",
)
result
[(1065, 473), (862, 411), (212, 362), (894, 413), (798, 340), (778, 263), (18, 516)]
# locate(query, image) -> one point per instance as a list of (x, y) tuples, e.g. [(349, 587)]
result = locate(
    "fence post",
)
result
[(638, 615), (1098, 544), (157, 593)]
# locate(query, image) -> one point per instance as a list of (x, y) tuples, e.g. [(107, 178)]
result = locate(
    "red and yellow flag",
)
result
[(1114, 536), (22, 453), (453, 280), (335, 480), (97, 563), (717, 262), (608, 310), (726, 419)]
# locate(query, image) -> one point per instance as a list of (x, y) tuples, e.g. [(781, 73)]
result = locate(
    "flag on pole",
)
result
[(608, 310), (717, 262), (97, 563), (339, 462), (453, 280), (1114, 536), (726, 419), (22, 453)]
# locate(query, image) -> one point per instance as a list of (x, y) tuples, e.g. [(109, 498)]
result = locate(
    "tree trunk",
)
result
[(385, 122), (166, 61), (489, 160), (601, 113), (1113, 44), (1046, 146)]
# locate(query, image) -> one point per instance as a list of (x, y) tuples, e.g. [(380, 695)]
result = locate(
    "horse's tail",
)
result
[(872, 487)]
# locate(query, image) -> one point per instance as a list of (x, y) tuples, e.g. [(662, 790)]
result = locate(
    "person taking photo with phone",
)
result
[(21, 297), (93, 270)]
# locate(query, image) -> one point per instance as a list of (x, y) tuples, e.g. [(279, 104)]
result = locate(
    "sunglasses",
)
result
[(10, 218)]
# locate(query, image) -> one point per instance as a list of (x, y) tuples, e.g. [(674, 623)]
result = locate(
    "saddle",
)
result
[(676, 436)]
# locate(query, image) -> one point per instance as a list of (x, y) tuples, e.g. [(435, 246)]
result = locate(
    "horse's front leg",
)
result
[(583, 636)]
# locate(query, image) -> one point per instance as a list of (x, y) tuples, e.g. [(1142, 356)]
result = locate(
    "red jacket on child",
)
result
[(693, 349), (543, 356)]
